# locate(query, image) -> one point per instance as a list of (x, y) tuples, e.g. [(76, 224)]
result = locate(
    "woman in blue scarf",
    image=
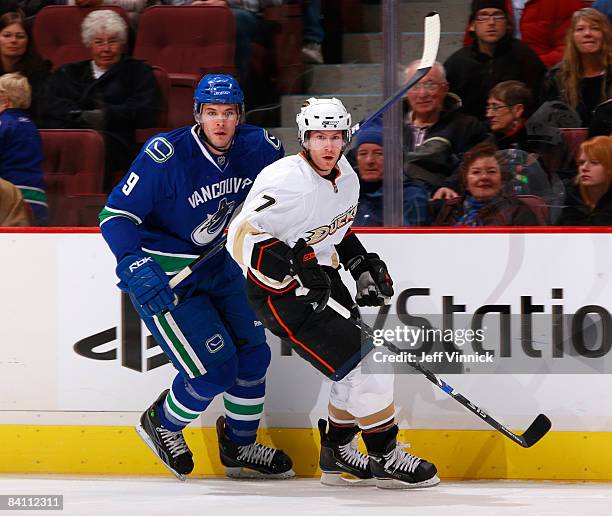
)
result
[(484, 202)]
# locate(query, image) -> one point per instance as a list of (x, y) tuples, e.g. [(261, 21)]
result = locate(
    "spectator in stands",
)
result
[(133, 8), (370, 167), (542, 25), (112, 93), (18, 54), (583, 79), (312, 51), (494, 56), (13, 211), (431, 111), (601, 121), (484, 202), (508, 107), (604, 6), (20, 145), (589, 200)]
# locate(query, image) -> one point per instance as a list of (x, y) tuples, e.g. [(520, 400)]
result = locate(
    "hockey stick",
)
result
[(430, 51), (184, 273), (538, 428)]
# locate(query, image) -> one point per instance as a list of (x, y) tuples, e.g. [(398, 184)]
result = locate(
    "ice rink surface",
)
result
[(114, 496)]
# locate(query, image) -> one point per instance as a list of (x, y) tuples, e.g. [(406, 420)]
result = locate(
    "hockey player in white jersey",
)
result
[(294, 229)]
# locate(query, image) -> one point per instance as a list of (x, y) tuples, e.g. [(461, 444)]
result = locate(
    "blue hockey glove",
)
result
[(145, 280)]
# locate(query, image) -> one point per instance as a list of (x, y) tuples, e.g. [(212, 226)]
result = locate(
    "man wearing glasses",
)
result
[(433, 117), (493, 57)]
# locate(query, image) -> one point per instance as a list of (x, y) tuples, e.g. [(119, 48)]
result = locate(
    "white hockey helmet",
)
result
[(323, 115)]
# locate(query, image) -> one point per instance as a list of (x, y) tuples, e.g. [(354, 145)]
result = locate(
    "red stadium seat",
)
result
[(57, 32), (538, 206), (73, 168), (186, 41), (288, 68), (573, 137), (163, 83)]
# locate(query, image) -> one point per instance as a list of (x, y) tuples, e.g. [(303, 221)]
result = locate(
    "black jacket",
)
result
[(577, 213), (127, 94), (471, 74), (553, 90), (460, 130)]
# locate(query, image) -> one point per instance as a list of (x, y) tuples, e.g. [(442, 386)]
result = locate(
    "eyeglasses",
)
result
[(111, 42), (486, 17), (495, 109), (426, 86)]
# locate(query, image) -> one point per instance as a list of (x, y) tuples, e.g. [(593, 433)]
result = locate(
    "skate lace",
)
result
[(174, 441), (256, 453), (352, 455), (399, 459)]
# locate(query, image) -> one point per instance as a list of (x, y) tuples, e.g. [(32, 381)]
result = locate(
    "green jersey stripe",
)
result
[(33, 194), (187, 410), (170, 264), (243, 401), (177, 412), (245, 410), (109, 213), (179, 346), (242, 417)]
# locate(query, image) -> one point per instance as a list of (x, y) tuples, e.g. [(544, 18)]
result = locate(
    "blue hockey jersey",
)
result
[(177, 198), (21, 158)]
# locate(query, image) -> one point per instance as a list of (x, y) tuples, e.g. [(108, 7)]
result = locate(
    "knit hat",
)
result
[(371, 134), (477, 5)]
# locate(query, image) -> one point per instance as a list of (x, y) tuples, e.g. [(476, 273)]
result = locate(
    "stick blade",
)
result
[(538, 429), (432, 40)]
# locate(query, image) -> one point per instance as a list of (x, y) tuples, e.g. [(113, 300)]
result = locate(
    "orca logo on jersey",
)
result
[(214, 224), (321, 233), (159, 149)]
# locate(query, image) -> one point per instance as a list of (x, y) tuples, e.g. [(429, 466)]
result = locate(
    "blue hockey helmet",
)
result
[(217, 89)]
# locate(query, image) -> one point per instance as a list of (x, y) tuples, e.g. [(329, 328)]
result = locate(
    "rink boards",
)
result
[(77, 369)]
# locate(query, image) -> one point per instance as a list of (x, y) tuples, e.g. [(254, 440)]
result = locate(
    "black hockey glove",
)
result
[(312, 276), (374, 285)]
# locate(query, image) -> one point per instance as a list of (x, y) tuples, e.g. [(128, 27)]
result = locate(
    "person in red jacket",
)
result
[(542, 25)]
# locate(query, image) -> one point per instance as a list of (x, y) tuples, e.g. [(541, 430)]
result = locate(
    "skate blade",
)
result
[(239, 472), (394, 483), (145, 437), (345, 480)]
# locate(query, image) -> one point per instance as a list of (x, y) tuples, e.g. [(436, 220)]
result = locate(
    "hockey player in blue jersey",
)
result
[(174, 204)]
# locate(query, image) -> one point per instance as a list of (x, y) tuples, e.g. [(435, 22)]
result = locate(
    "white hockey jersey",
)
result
[(289, 201)]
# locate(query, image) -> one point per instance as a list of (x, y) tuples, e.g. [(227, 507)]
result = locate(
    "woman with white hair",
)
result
[(111, 92), (20, 145)]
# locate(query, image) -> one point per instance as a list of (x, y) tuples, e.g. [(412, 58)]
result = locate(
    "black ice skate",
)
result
[(341, 463), (170, 447), (253, 460), (396, 469)]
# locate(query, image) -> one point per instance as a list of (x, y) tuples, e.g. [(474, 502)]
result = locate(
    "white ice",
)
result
[(143, 496)]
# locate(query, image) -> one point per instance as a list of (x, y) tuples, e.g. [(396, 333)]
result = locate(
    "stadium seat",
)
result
[(57, 32), (163, 83), (287, 28), (73, 168), (186, 41), (573, 137), (538, 206)]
